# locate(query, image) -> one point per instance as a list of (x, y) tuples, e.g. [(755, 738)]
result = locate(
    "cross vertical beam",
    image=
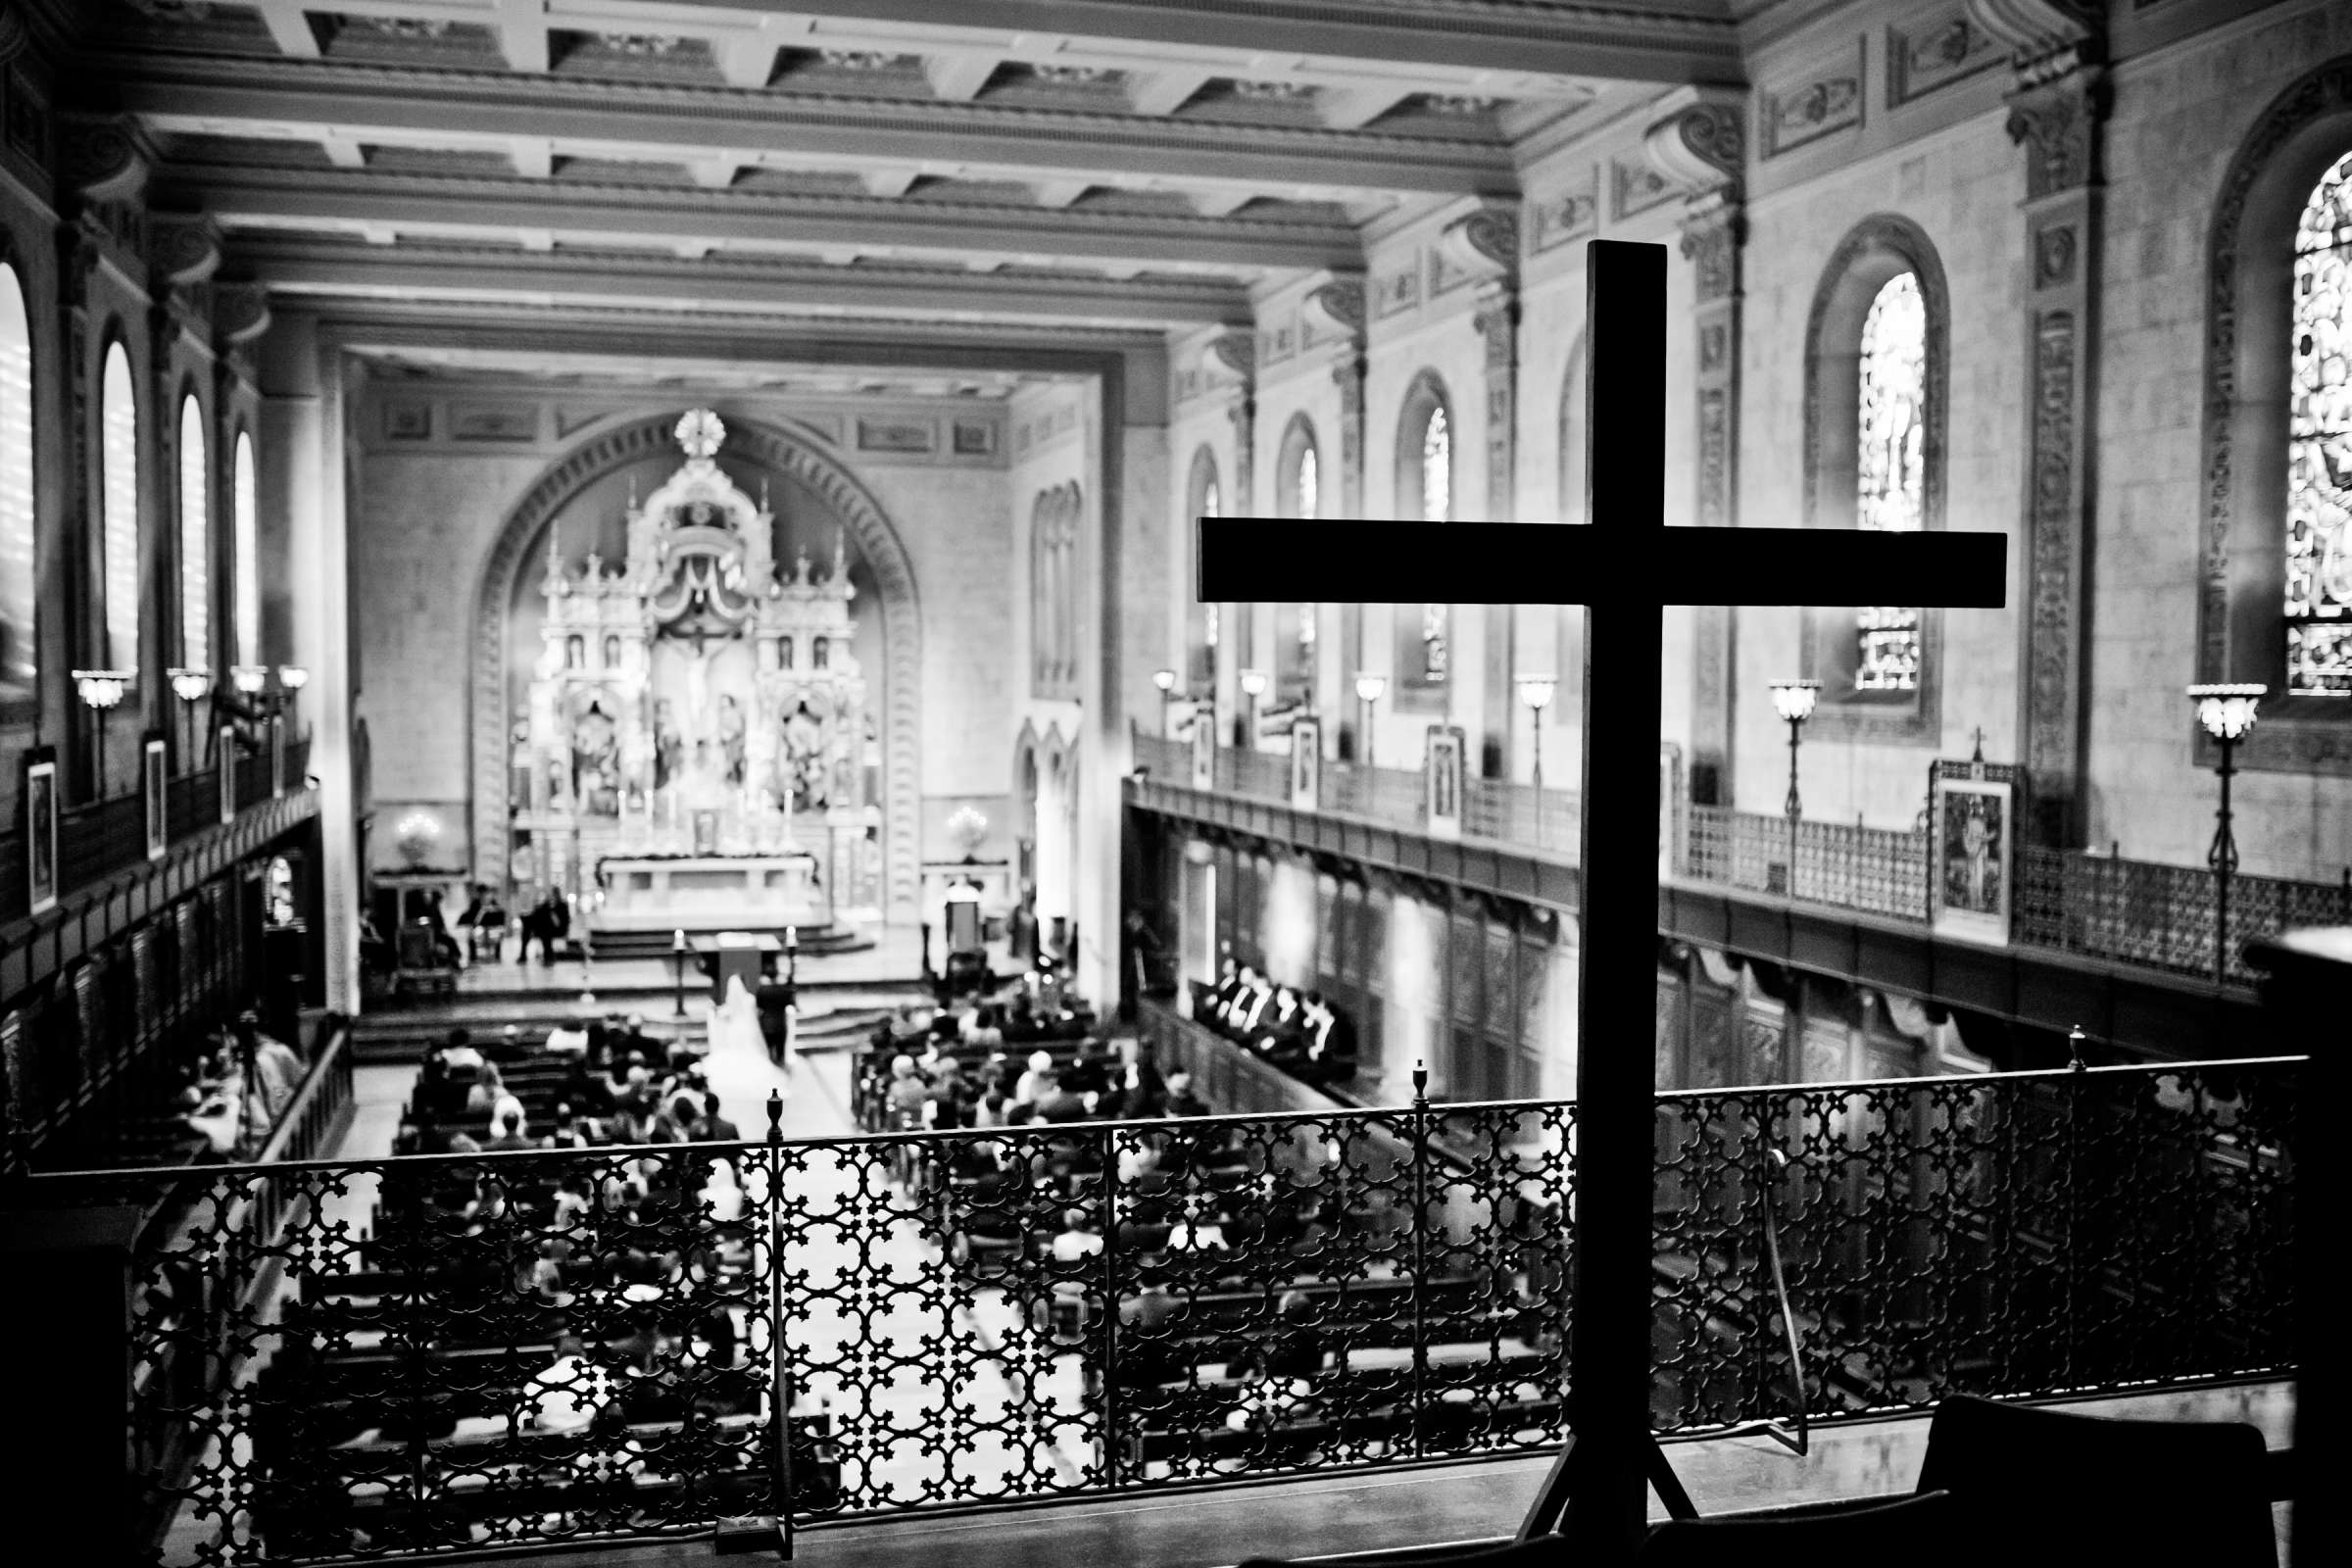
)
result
[(1616, 1075)]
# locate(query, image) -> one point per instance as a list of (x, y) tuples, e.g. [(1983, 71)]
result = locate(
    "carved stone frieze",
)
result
[(1565, 215), (1498, 324), (1935, 50), (1349, 376), (1810, 110), (1244, 414), (2058, 122), (2051, 634), (2054, 248), (1637, 188)]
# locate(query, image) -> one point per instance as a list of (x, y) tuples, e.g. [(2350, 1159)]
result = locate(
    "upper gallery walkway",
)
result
[(2125, 948)]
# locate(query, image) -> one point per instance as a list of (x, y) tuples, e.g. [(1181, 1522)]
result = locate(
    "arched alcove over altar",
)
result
[(779, 495)]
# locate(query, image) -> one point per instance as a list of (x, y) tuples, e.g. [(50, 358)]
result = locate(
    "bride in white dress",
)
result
[(733, 1029)]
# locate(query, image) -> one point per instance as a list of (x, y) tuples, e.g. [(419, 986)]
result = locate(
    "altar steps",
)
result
[(816, 942)]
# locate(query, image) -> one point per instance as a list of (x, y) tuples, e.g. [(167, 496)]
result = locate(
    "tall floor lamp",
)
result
[(1793, 701), (1254, 687), (2227, 713), (189, 685), (1368, 687), (1536, 691), (100, 689)]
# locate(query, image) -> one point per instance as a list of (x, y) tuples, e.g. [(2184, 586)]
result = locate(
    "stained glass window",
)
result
[(17, 591), (1890, 467), (118, 490), (2319, 462), (195, 540), (1437, 505)]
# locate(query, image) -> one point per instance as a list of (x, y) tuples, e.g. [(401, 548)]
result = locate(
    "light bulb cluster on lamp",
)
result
[(1253, 683), (1369, 687), (1538, 691), (1794, 700), (101, 689), (189, 684), (2228, 710)]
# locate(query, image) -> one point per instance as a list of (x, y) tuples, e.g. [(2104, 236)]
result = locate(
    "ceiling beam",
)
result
[(428, 272), (1162, 92), (1694, 41), (684, 123), (290, 28), (243, 194), (958, 76), (523, 33), (1354, 108)]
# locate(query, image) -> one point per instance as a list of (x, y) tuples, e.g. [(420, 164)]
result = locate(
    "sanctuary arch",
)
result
[(803, 461)]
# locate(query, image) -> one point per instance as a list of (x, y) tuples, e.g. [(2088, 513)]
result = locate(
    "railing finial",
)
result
[(2073, 1048), (775, 1115), (1420, 1083)]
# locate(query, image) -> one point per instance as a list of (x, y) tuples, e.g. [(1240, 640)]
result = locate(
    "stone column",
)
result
[(1336, 308), (1237, 352), (2056, 113), (1700, 147), (1485, 245)]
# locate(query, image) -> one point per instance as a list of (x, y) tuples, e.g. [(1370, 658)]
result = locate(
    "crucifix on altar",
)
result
[(1625, 567)]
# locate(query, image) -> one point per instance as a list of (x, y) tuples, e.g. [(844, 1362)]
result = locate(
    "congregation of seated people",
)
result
[(604, 1082), (1295, 1031), (581, 1320)]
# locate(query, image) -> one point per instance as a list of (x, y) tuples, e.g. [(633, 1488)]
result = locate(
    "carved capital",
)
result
[(1236, 349), (1712, 235), (104, 157), (1485, 243), (183, 247), (1699, 148), (2058, 123), (1338, 307), (2045, 38), (241, 312)]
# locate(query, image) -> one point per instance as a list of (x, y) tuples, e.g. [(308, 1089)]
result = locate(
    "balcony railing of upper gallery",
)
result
[(331, 1360), (2146, 913), (105, 837)]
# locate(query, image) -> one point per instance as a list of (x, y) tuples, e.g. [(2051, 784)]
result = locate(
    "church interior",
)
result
[(725, 826)]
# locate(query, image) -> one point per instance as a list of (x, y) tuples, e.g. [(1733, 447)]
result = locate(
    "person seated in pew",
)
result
[(1055, 1103), (951, 1097), (488, 1087), (568, 1131), (1181, 1101), (903, 1100), (568, 1394), (1041, 1066), (1281, 1368), (714, 1128), (1090, 1072), (506, 1127), (1221, 994), (1330, 1044)]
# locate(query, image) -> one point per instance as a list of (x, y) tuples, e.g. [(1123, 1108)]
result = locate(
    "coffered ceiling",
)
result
[(1116, 167)]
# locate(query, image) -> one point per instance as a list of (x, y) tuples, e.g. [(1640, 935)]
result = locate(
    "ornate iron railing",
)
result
[(359, 1359)]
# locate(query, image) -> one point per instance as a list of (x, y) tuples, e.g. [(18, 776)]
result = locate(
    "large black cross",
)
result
[(1625, 567)]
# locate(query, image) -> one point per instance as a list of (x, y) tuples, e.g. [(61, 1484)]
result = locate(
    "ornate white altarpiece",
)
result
[(698, 728)]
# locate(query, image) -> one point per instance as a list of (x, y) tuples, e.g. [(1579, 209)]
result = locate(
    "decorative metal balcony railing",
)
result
[(2140, 913), (336, 1361)]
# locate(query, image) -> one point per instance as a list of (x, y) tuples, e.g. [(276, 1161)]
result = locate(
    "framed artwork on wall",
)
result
[(705, 832), (226, 771), (40, 828), (1204, 746), (1442, 782), (1974, 811), (1307, 764), (152, 780)]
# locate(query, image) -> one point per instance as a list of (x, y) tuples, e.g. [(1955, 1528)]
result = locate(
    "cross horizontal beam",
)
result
[(1517, 564)]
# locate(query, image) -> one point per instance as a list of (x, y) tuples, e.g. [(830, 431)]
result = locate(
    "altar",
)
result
[(700, 751), (700, 892)]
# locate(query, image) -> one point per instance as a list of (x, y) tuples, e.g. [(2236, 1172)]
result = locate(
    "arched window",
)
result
[(249, 554), (19, 653), (1874, 370), (2319, 453), (1205, 499), (1425, 490), (195, 538), (118, 490), (1294, 625), (1891, 451), (1052, 592), (2274, 548)]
